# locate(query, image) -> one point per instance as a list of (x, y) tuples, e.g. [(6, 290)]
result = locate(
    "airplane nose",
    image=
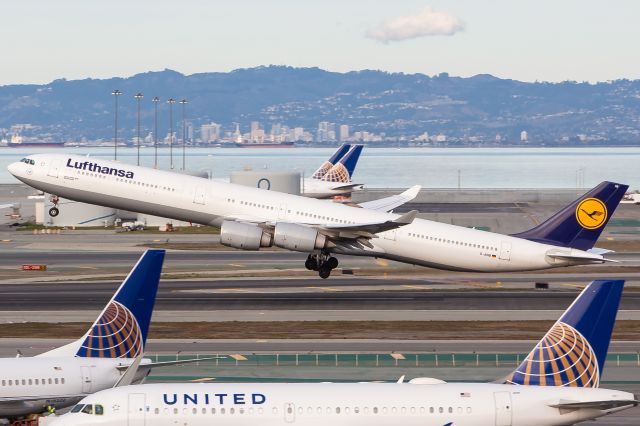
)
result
[(14, 168)]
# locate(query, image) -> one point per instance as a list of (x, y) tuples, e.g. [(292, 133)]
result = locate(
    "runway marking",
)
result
[(417, 287), (238, 357), (323, 288), (239, 290), (204, 379), (261, 341), (480, 285), (237, 265), (6, 241), (578, 286)]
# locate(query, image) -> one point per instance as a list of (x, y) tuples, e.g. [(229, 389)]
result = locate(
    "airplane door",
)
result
[(86, 379), (135, 411), (54, 168), (199, 195), (505, 251), (289, 412), (504, 409), (282, 211)]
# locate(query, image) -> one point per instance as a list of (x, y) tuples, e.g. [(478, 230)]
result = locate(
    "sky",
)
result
[(541, 40)]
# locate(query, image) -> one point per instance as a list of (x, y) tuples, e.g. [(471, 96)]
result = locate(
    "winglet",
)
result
[(389, 203), (130, 374), (573, 351), (406, 218)]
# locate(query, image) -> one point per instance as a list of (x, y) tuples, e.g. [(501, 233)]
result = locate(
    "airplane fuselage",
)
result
[(206, 202), (348, 404)]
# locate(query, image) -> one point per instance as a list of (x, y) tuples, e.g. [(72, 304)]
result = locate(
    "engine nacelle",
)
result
[(298, 238), (244, 236)]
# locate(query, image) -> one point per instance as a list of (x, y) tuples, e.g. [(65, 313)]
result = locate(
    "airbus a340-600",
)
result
[(251, 218), (556, 384)]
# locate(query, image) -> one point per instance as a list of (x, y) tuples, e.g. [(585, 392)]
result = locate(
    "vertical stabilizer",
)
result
[(580, 224), (122, 327), (327, 165), (574, 350), (343, 170)]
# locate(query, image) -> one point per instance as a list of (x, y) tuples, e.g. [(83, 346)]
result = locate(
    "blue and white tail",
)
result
[(122, 327), (580, 224), (573, 352), (343, 170), (327, 165)]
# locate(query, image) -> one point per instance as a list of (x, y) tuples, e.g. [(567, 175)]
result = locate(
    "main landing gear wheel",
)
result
[(53, 212), (323, 263)]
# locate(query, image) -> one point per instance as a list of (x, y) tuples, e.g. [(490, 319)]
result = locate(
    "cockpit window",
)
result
[(77, 408), (28, 161), (88, 409), (99, 410)]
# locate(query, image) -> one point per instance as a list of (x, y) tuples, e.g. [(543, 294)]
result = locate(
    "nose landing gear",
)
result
[(54, 211), (324, 263)]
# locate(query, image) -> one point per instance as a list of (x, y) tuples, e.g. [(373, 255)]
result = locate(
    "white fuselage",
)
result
[(202, 201), (317, 188), (344, 404), (28, 385)]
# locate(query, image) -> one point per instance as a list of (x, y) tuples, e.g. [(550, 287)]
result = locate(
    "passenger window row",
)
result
[(317, 410), (31, 382), (129, 181), (447, 241)]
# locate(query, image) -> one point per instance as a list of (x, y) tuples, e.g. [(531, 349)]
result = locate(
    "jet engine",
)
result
[(244, 236), (299, 238)]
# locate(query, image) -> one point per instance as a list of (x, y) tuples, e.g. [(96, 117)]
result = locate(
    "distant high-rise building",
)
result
[(524, 136), (210, 132), (344, 132), (257, 133)]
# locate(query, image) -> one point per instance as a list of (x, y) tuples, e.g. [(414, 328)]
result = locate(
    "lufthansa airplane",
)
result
[(333, 177), (556, 384), (63, 376), (250, 218)]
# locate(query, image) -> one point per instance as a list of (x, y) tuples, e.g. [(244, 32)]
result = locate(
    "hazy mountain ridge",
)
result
[(392, 103)]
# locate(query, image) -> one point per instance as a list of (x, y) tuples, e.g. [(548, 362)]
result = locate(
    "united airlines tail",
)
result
[(122, 327), (580, 224), (573, 352), (343, 170), (327, 165)]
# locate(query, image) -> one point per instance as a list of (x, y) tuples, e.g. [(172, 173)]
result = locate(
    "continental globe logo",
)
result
[(326, 166), (116, 334), (591, 213), (338, 173), (563, 358)]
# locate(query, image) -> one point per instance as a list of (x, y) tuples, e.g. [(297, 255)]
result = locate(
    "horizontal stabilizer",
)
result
[(389, 203), (595, 405), (582, 258), (149, 365), (130, 373)]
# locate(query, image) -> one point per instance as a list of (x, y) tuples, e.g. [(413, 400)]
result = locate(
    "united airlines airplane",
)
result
[(556, 384), (251, 218), (61, 377), (333, 177)]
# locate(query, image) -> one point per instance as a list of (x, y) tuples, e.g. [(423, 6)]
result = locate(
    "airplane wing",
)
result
[(164, 363), (6, 206), (366, 229), (597, 405), (392, 202)]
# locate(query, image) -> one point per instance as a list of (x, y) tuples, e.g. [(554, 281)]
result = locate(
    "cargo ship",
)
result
[(17, 142)]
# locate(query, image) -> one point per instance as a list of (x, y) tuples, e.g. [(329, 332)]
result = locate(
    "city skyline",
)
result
[(526, 40)]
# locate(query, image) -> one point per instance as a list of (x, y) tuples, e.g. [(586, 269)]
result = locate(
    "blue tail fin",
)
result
[(573, 352), (343, 170), (327, 165), (121, 329), (580, 224)]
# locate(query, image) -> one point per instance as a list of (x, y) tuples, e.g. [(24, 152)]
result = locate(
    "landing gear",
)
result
[(324, 263), (53, 211)]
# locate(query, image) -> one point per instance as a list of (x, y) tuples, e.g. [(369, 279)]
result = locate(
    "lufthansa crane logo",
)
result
[(591, 213)]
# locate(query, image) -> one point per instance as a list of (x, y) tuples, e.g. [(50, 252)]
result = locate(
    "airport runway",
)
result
[(294, 294)]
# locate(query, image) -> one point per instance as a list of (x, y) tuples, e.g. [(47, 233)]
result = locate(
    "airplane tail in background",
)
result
[(122, 327), (574, 350), (580, 224), (343, 170), (327, 165)]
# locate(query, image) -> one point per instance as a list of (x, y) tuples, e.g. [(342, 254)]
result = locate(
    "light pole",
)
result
[(138, 97), (171, 101), (184, 132), (115, 94), (155, 132)]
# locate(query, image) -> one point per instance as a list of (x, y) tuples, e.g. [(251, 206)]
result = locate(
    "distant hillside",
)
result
[(399, 105)]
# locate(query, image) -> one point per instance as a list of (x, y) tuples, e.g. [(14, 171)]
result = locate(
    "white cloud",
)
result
[(428, 22)]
